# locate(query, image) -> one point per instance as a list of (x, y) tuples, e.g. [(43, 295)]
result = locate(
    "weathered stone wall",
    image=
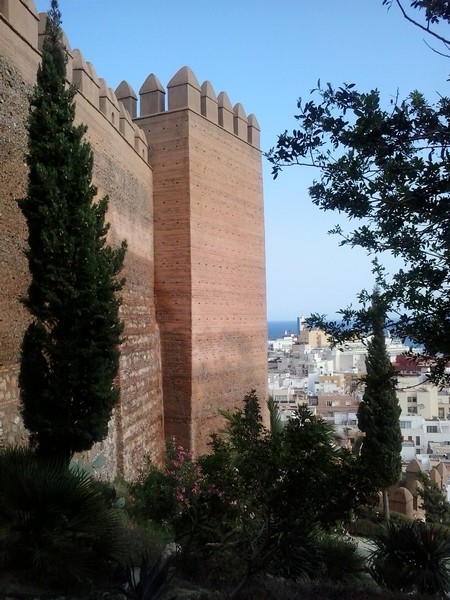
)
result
[(12, 431), (126, 177), (193, 221), (122, 172), (13, 264)]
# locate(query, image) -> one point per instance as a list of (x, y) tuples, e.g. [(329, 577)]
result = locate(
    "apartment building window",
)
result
[(411, 399), (417, 440), (441, 413), (405, 424), (432, 429), (313, 402), (412, 410)]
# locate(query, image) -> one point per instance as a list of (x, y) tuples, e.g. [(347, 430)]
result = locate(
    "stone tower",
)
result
[(209, 252)]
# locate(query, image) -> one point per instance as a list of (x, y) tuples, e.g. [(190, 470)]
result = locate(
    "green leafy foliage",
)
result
[(384, 165), (70, 350), (260, 499), (412, 556), (379, 411), (53, 521), (434, 502), (181, 498), (340, 560)]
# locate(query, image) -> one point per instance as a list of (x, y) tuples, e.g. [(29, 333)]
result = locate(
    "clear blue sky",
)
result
[(266, 54)]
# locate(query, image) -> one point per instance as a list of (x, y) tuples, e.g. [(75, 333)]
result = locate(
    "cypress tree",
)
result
[(379, 412), (70, 350)]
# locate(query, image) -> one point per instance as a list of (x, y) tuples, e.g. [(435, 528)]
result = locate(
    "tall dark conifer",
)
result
[(379, 412), (70, 350)]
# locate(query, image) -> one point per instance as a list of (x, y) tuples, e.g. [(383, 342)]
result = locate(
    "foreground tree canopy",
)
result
[(387, 166), (70, 350), (261, 496)]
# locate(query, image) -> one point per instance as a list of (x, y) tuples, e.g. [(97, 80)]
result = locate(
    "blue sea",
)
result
[(276, 329)]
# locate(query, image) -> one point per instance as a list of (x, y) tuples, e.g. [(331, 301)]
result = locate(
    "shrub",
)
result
[(178, 496), (152, 494), (340, 560), (413, 557), (53, 521)]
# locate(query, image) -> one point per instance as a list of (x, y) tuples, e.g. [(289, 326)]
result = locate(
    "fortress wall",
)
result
[(127, 179), (168, 134), (19, 59), (121, 170), (19, 23), (228, 274), (13, 264), (195, 243), (12, 431), (209, 257), (13, 173)]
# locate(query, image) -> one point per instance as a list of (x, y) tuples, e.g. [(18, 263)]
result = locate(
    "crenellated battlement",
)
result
[(120, 107), (184, 92)]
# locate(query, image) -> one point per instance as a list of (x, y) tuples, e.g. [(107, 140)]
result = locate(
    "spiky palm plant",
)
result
[(340, 560), (53, 521), (413, 557)]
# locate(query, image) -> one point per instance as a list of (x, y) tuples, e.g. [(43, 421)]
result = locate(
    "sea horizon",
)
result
[(276, 329)]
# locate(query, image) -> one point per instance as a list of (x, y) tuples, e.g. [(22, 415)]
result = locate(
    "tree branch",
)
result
[(437, 51), (420, 26)]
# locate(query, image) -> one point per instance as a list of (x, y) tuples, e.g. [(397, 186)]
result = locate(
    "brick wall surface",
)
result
[(228, 274), (194, 299), (127, 179), (209, 270)]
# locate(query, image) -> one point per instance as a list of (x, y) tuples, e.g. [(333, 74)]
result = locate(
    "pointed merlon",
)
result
[(240, 121), (109, 105), (126, 95), (414, 466), (442, 470), (23, 17), (140, 143), (126, 124), (253, 131), (184, 91), (85, 78), (209, 105), (152, 97), (225, 112)]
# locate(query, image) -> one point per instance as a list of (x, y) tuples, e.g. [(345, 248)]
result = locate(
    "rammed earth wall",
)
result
[(185, 192)]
